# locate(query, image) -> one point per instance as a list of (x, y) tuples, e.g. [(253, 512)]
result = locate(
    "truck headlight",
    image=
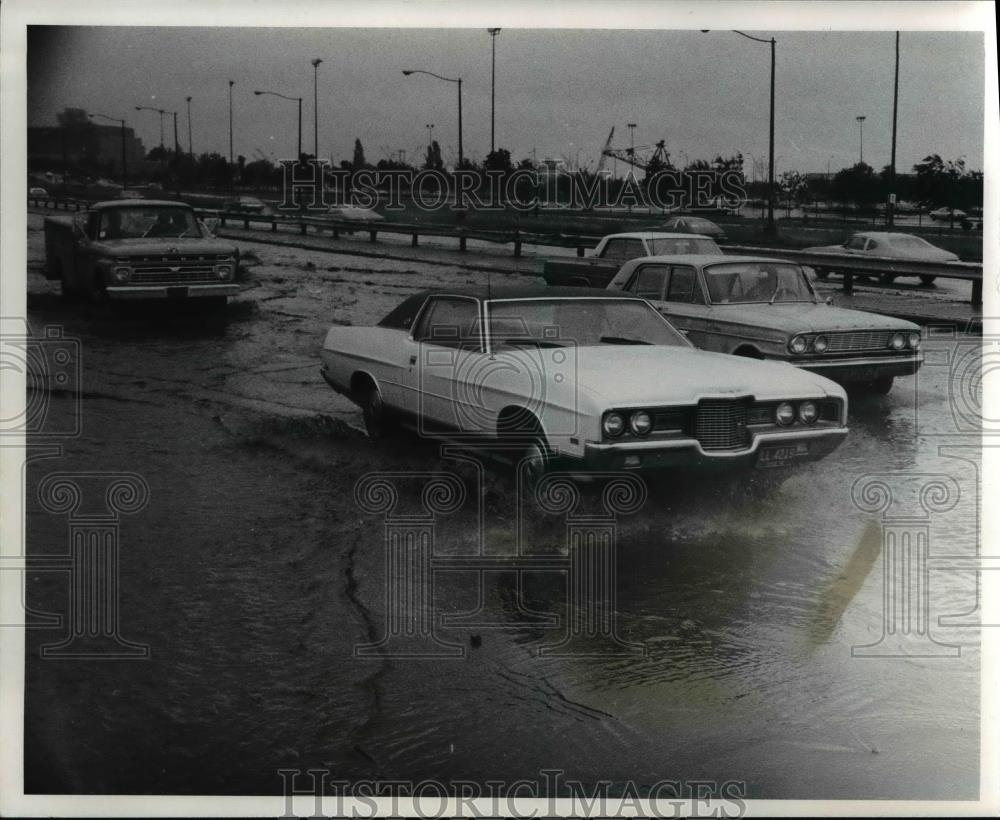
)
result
[(224, 271), (640, 422), (798, 344), (121, 275), (614, 424), (898, 341)]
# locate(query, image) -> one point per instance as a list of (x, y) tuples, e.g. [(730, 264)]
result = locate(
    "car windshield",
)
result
[(136, 223), (586, 322), (668, 247), (910, 242), (741, 282)]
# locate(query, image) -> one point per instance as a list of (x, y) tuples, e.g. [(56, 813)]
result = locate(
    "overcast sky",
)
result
[(558, 93)]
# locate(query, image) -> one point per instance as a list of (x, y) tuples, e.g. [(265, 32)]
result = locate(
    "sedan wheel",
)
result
[(927, 280), (378, 425), (881, 386), (535, 463), (887, 278)]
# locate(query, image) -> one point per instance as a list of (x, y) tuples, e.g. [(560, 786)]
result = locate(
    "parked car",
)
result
[(600, 267), (131, 193), (695, 224), (125, 249), (767, 309), (888, 246), (580, 378), (38, 193), (246, 205), (947, 214)]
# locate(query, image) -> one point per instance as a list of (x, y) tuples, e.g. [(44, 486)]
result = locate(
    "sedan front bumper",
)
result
[(863, 369), (793, 446)]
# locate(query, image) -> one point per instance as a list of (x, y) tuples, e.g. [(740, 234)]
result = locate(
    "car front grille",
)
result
[(858, 340), (721, 424)]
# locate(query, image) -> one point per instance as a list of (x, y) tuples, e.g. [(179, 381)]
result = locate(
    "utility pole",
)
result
[(190, 144), (861, 139), (315, 65), (493, 89), (891, 206)]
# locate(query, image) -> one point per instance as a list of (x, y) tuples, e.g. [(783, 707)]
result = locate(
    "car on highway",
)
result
[(763, 308), (131, 249), (246, 205), (600, 267), (38, 193), (354, 213), (695, 224), (582, 379), (947, 214), (886, 245)]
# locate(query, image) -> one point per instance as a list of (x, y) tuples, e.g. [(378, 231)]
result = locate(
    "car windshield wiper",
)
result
[(529, 340), (621, 340)]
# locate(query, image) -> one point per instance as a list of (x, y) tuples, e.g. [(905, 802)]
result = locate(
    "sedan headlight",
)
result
[(121, 275), (898, 341), (784, 414), (808, 412), (798, 344), (224, 271), (914, 340), (641, 422), (614, 424), (820, 344)]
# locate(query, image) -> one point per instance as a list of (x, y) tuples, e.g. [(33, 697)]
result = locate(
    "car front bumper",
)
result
[(793, 447), (170, 291), (867, 368)]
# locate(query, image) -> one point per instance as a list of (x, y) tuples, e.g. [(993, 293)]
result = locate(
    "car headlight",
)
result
[(224, 271), (914, 340), (808, 412), (784, 414), (641, 422), (798, 344), (820, 344), (121, 274), (614, 424), (898, 341)]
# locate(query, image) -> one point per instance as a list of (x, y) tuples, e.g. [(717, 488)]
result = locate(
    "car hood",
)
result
[(147, 247), (620, 375), (803, 317)]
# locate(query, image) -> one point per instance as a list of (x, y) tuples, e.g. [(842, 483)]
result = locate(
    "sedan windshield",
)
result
[(694, 244), (741, 282), (582, 322), (138, 222)]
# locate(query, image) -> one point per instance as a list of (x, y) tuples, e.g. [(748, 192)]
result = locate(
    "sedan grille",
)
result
[(858, 340), (721, 424)]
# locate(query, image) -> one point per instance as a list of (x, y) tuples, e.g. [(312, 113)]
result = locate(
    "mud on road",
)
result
[(253, 575)]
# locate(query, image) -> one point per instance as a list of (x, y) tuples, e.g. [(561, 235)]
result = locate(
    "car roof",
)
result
[(656, 235), (132, 203), (702, 259), (503, 292), (887, 234)]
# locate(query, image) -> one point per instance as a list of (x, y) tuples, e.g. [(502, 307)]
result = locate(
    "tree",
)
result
[(498, 160), (857, 184), (432, 159), (359, 161)]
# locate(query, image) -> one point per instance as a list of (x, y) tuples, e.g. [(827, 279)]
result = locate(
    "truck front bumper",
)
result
[(171, 291)]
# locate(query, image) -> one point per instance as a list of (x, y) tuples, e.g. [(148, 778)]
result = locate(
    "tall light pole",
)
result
[(891, 206), (122, 123), (861, 139), (159, 111), (190, 144), (231, 83), (458, 80), (430, 135), (298, 100), (493, 88), (315, 65)]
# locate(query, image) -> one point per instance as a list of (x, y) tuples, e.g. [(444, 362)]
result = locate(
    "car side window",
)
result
[(856, 243), (613, 250), (451, 322), (633, 249), (872, 245), (649, 281), (682, 285)]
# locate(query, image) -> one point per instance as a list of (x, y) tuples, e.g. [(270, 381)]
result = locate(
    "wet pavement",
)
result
[(753, 638)]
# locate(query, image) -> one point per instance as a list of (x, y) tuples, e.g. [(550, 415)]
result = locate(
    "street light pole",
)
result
[(190, 144), (293, 99), (315, 65), (493, 88), (408, 72), (231, 124), (122, 123), (861, 139), (159, 111), (891, 206)]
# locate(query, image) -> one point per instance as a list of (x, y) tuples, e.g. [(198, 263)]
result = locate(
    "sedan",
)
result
[(947, 214), (886, 245), (694, 224), (580, 378), (763, 308)]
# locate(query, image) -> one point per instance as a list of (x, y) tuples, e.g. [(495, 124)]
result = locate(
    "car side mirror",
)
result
[(79, 231), (828, 300)]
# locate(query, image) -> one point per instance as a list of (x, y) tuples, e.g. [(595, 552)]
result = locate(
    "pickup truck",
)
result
[(614, 250), (129, 249)]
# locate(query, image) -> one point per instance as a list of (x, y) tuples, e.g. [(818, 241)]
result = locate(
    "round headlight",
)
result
[(121, 275), (224, 271), (614, 424), (914, 340), (784, 414), (798, 344), (898, 341), (820, 344), (641, 422), (808, 412)]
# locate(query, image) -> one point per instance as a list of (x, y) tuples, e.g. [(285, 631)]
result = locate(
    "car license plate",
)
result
[(783, 455), (177, 292)]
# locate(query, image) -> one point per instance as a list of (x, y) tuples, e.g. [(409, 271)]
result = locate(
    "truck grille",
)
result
[(721, 424), (165, 276), (858, 340)]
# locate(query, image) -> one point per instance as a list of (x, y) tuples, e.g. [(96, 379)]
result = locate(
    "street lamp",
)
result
[(493, 32), (892, 162), (122, 123), (159, 111), (769, 228), (315, 65), (231, 83), (430, 134), (190, 144), (408, 72), (298, 100), (861, 139)]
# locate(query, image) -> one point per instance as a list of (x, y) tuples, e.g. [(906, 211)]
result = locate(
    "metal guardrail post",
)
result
[(848, 283), (302, 228), (246, 223), (517, 243), (274, 226), (580, 251), (413, 240), (461, 243), (372, 235), (977, 292)]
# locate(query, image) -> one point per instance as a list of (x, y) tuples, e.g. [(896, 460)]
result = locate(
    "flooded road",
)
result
[(740, 638)]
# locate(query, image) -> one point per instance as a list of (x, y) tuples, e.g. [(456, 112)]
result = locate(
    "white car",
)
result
[(887, 245), (578, 377)]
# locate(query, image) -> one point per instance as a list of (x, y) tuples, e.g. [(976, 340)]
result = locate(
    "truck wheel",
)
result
[(214, 304), (70, 293), (98, 293)]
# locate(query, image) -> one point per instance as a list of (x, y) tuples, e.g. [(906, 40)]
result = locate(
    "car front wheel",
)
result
[(378, 422), (927, 280), (881, 386)]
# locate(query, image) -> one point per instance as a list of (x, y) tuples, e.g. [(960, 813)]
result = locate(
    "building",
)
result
[(84, 146)]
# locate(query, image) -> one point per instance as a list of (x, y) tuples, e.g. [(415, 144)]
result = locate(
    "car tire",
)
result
[(214, 304), (534, 463), (378, 422), (887, 278), (881, 386), (927, 280)]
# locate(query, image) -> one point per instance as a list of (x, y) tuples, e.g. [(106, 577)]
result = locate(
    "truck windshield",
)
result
[(732, 283), (583, 322), (140, 222)]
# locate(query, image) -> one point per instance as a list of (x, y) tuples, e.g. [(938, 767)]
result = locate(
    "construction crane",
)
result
[(659, 159)]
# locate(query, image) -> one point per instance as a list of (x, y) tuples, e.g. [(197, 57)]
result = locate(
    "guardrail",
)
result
[(849, 266)]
